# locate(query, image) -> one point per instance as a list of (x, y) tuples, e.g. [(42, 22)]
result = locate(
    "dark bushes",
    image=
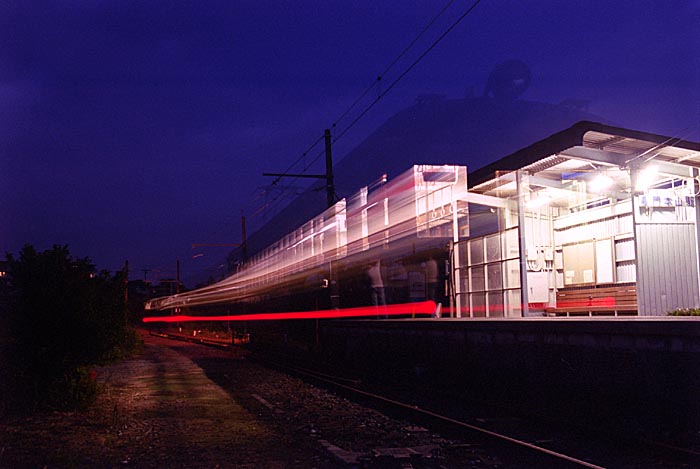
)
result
[(61, 319), (685, 312)]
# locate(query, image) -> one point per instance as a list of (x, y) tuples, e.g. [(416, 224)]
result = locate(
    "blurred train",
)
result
[(403, 223)]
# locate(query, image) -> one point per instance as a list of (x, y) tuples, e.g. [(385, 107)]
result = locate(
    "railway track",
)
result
[(221, 342), (541, 447), (520, 443), (520, 452)]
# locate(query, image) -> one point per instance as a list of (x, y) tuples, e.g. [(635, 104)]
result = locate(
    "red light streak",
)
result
[(423, 307)]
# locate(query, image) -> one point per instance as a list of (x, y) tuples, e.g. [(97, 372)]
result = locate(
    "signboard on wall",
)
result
[(579, 263), (604, 263)]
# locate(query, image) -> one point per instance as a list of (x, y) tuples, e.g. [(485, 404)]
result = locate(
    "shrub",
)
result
[(76, 389), (62, 318), (685, 312)]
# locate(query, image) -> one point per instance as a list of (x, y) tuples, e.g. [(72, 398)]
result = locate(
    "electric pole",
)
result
[(330, 186), (126, 293), (330, 201), (126, 282)]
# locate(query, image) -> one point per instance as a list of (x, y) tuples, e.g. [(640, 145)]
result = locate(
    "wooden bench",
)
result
[(608, 300)]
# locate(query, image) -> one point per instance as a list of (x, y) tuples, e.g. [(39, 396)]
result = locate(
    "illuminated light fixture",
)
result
[(646, 177), (600, 183), (541, 199)]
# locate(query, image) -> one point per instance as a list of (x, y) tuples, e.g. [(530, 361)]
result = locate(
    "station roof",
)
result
[(589, 147), (621, 145)]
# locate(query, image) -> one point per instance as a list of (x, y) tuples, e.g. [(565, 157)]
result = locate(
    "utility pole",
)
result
[(126, 293), (330, 186), (177, 285), (126, 282), (330, 201)]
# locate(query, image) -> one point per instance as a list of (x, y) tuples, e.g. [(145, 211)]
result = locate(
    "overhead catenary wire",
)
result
[(393, 62), (277, 200), (381, 94), (294, 178), (283, 192), (406, 71), (303, 155), (353, 105), (271, 205), (678, 137)]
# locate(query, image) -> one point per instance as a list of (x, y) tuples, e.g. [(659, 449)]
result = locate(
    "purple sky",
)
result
[(131, 130)]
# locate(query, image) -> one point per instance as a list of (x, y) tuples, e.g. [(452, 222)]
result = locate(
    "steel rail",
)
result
[(444, 418), (337, 382)]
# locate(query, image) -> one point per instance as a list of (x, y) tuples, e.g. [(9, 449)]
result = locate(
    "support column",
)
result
[(522, 186), (638, 274), (456, 267)]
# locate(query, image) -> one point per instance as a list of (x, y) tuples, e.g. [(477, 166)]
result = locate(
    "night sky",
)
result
[(131, 130)]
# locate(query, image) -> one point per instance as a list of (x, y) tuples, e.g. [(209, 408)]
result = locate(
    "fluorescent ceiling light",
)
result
[(600, 183), (646, 177), (539, 201)]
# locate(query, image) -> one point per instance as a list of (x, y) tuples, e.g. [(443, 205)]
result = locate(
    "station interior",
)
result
[(610, 228)]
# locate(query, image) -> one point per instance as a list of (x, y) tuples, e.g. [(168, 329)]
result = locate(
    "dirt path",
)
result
[(158, 409)]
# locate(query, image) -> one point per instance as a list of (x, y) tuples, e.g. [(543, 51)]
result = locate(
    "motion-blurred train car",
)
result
[(404, 223)]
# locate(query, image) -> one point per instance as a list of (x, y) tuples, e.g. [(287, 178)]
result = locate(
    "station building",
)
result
[(609, 221), (594, 220)]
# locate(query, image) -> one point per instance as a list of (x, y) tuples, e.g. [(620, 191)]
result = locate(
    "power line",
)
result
[(386, 70), (380, 95), (303, 155), (677, 137), (277, 179), (280, 197), (405, 72), (359, 99)]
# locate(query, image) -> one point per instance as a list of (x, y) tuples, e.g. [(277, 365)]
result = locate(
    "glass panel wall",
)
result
[(490, 275)]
